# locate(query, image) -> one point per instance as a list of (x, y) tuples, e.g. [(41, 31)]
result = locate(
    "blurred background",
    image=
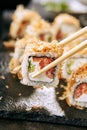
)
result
[(50, 5), (48, 9), (64, 5)]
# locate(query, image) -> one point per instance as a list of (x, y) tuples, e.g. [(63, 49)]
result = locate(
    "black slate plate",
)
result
[(11, 91)]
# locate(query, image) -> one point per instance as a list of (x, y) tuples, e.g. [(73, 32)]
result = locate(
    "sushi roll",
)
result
[(38, 55), (71, 65), (20, 20), (64, 25), (76, 91), (18, 52), (40, 29)]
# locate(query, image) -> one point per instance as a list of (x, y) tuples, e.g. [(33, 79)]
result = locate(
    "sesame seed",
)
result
[(57, 93), (7, 86), (1, 97), (19, 94)]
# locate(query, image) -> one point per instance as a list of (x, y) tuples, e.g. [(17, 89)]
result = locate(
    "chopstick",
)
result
[(62, 58), (16, 70), (74, 36), (63, 42)]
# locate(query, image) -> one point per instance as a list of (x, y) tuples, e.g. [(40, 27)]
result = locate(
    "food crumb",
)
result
[(36, 87), (13, 76), (7, 86), (57, 93), (36, 107), (9, 44), (11, 54), (19, 94), (2, 77), (1, 97), (62, 86)]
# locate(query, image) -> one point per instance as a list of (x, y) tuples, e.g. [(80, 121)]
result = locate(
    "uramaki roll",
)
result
[(76, 92), (65, 25), (20, 20), (19, 52), (38, 55), (40, 29), (71, 65)]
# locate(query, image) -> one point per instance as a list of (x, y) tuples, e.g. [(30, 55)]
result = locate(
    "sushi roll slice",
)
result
[(20, 20), (40, 29), (38, 55), (71, 65), (18, 52), (64, 25), (76, 91)]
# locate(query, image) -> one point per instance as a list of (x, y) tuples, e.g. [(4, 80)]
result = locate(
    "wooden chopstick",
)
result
[(74, 36), (16, 70), (63, 57)]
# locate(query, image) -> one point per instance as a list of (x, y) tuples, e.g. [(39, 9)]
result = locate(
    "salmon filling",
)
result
[(45, 37), (59, 35), (80, 90), (37, 63), (22, 28)]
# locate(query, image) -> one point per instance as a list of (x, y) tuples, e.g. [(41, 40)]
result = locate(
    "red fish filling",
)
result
[(43, 61), (59, 35), (45, 37), (22, 28), (42, 37), (80, 89)]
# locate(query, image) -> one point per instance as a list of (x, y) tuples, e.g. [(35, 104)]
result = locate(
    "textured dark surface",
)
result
[(15, 118), (25, 125), (39, 117)]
